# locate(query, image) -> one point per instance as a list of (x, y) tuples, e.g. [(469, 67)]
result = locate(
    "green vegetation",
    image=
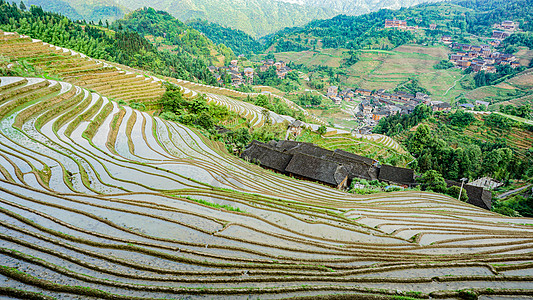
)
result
[(237, 40), (359, 32), (458, 145), (195, 112), (523, 111), (124, 47), (365, 187), (216, 205), (444, 64), (164, 29), (433, 181), (276, 105), (270, 78), (516, 206)]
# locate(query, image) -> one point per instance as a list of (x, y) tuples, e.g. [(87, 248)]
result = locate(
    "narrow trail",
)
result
[(454, 84), (504, 195)]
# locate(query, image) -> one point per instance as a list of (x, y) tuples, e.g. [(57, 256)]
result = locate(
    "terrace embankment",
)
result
[(101, 200)]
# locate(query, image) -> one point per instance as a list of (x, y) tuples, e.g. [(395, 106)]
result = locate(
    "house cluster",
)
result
[(339, 168), (334, 168), (379, 104), (238, 78), (281, 67), (399, 24), (480, 58), (507, 25), (483, 104)]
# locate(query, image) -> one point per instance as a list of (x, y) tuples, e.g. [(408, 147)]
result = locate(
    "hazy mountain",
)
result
[(255, 17), (90, 10), (357, 7)]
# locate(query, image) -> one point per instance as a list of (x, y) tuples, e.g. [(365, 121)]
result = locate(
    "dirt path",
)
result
[(454, 84), (513, 191)]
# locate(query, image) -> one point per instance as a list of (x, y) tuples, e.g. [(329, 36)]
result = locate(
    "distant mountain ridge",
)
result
[(255, 17), (358, 7)]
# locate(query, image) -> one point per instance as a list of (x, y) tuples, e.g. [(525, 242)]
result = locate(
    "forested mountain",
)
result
[(89, 10), (169, 33), (255, 17), (358, 7), (364, 32), (237, 40), (122, 46)]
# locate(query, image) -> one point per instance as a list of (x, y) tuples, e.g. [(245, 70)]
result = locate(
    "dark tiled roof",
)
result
[(352, 156), (316, 168), (396, 174), (266, 156)]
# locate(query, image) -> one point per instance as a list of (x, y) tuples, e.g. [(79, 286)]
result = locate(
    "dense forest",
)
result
[(121, 46), (167, 30), (489, 12), (445, 143), (237, 40)]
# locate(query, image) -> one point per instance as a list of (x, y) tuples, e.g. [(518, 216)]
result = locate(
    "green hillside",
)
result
[(118, 181), (237, 40), (121, 46), (168, 33), (89, 10)]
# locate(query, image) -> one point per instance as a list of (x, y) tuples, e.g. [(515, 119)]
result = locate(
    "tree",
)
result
[(461, 118), (454, 191), (420, 139), (433, 181), (22, 5), (321, 130)]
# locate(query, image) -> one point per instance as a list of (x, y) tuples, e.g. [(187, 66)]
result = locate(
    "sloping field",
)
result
[(79, 69), (121, 82), (100, 200)]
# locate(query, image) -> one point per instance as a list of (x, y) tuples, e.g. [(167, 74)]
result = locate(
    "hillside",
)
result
[(359, 7), (89, 10), (255, 17), (150, 203), (121, 46), (116, 182), (237, 40), (168, 33)]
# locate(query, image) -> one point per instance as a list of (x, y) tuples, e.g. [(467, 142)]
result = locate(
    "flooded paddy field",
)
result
[(99, 200)]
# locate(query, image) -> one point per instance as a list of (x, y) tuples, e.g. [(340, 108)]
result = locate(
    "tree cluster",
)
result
[(123, 46)]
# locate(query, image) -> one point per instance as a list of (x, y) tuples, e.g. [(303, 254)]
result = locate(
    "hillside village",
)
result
[(245, 75), (373, 105)]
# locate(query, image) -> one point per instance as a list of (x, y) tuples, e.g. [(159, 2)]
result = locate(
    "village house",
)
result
[(364, 92), (333, 91), (399, 24), (307, 161), (500, 35), (482, 103), (233, 67), (446, 39), (467, 106), (441, 106), (379, 114), (249, 74), (432, 26)]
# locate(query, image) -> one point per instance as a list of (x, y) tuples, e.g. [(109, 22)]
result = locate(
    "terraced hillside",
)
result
[(375, 146), (101, 200), (120, 82)]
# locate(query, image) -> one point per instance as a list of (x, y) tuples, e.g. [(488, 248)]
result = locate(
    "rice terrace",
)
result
[(99, 199)]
